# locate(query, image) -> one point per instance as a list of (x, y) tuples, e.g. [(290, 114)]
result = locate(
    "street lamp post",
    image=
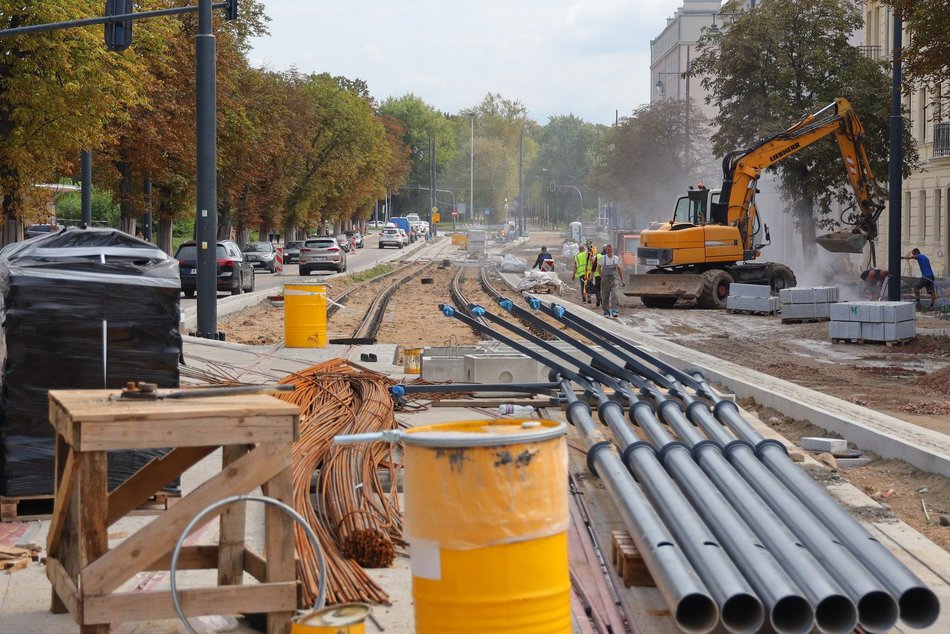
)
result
[(521, 220), (207, 208)]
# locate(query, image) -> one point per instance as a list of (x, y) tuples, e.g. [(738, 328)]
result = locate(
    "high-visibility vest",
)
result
[(581, 264)]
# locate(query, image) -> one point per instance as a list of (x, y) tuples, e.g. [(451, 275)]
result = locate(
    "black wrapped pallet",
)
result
[(82, 309)]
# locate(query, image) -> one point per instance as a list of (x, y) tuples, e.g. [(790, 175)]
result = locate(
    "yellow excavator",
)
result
[(711, 240)]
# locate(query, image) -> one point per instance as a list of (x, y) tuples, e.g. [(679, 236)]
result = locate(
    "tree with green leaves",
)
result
[(642, 160), (566, 153), (780, 61), (926, 55), (58, 92)]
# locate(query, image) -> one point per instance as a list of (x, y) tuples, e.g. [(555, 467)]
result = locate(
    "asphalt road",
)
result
[(364, 258)]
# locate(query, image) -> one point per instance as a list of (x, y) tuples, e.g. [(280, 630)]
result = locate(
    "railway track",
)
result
[(461, 302), (495, 294), (341, 299)]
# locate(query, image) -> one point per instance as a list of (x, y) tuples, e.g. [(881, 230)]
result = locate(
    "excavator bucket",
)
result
[(844, 241), (672, 285)]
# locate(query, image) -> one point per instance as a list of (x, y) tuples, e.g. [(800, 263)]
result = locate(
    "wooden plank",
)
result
[(146, 606), (63, 587), (190, 558), (63, 486), (68, 552), (231, 539), (160, 536), (255, 565), (86, 406), (279, 544), (191, 432), (153, 476), (92, 480)]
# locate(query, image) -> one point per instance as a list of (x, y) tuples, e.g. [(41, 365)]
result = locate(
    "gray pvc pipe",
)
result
[(740, 609), (788, 610), (834, 612), (919, 605), (684, 593)]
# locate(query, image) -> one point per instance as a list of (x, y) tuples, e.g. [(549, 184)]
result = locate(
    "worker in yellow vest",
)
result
[(583, 267)]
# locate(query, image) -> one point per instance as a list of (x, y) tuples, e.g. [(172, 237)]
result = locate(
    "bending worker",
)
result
[(544, 261), (874, 283), (926, 277)]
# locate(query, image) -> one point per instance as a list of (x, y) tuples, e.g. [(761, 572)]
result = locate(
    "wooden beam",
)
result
[(255, 565), (160, 536), (152, 477), (190, 558), (63, 587), (279, 544), (64, 485), (145, 606), (231, 531), (92, 478)]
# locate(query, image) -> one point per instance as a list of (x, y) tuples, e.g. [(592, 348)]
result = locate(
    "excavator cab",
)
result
[(693, 208)]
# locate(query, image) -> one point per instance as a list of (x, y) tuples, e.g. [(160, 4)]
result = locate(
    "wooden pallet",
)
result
[(889, 344), (40, 507), (630, 565), (752, 312), (804, 320)]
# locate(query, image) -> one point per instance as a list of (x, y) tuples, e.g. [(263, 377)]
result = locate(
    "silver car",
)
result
[(391, 237), (321, 253)]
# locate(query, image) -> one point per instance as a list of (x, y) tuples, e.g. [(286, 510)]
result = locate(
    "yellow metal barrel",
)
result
[(346, 618), (486, 517), (305, 315)]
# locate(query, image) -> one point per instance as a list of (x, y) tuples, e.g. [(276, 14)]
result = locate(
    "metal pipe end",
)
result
[(919, 607), (836, 614), (697, 613), (877, 611), (742, 612), (792, 614)]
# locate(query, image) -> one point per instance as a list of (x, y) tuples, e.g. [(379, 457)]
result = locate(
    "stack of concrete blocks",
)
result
[(807, 304), (477, 240), (751, 298), (446, 364), (873, 321)]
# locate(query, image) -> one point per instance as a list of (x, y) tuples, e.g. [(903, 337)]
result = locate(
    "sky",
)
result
[(589, 58)]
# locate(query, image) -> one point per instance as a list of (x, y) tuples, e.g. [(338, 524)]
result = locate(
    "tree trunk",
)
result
[(243, 234), (290, 231), (126, 206), (12, 229), (224, 213), (163, 237)]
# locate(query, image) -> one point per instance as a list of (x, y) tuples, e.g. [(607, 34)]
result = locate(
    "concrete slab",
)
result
[(761, 291), (806, 311), (752, 304), (494, 368), (831, 445), (443, 369), (812, 295)]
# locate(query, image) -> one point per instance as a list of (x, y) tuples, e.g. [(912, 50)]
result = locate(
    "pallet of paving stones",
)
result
[(753, 312), (804, 320), (38, 507), (894, 342)]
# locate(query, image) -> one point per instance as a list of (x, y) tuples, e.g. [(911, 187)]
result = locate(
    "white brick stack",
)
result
[(807, 304), (873, 321), (751, 298)]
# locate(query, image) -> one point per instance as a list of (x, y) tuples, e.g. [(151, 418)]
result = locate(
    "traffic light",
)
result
[(118, 34), (232, 13)]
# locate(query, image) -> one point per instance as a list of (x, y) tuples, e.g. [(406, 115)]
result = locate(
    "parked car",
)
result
[(390, 237), (261, 255), (235, 274), (356, 237), (406, 238), (323, 252), (375, 224), (39, 230), (344, 242), (292, 252)]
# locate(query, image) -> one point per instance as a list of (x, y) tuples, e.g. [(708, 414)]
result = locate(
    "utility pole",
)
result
[(895, 180), (207, 208), (85, 196), (471, 173), (521, 221), (431, 180)]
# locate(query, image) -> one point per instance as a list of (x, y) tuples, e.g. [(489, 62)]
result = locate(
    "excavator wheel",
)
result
[(658, 302), (782, 277), (715, 289)]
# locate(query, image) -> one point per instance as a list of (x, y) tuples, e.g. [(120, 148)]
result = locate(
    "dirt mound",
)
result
[(937, 381)]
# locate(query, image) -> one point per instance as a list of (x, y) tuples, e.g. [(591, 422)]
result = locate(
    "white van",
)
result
[(413, 218)]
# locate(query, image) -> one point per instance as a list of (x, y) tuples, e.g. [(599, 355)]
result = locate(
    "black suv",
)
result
[(234, 274)]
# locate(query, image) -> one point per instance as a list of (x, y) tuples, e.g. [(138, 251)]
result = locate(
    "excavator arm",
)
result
[(742, 168)]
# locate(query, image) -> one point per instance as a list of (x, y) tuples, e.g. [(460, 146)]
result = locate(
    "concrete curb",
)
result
[(870, 430)]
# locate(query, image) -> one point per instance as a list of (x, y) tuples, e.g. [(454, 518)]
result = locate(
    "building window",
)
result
[(938, 215), (905, 216), (922, 113), (922, 217), (941, 140)]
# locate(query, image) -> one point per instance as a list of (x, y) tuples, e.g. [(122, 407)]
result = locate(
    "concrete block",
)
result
[(900, 330), (495, 368), (851, 311), (749, 290), (871, 331), (806, 311), (753, 304), (843, 329), (449, 351), (816, 294), (441, 369), (895, 312), (828, 445)]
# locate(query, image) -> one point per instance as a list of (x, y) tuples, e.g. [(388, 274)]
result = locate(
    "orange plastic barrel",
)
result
[(305, 315), (486, 517)]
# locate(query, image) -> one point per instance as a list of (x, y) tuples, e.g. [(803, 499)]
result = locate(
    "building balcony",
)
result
[(941, 147), (873, 52)]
